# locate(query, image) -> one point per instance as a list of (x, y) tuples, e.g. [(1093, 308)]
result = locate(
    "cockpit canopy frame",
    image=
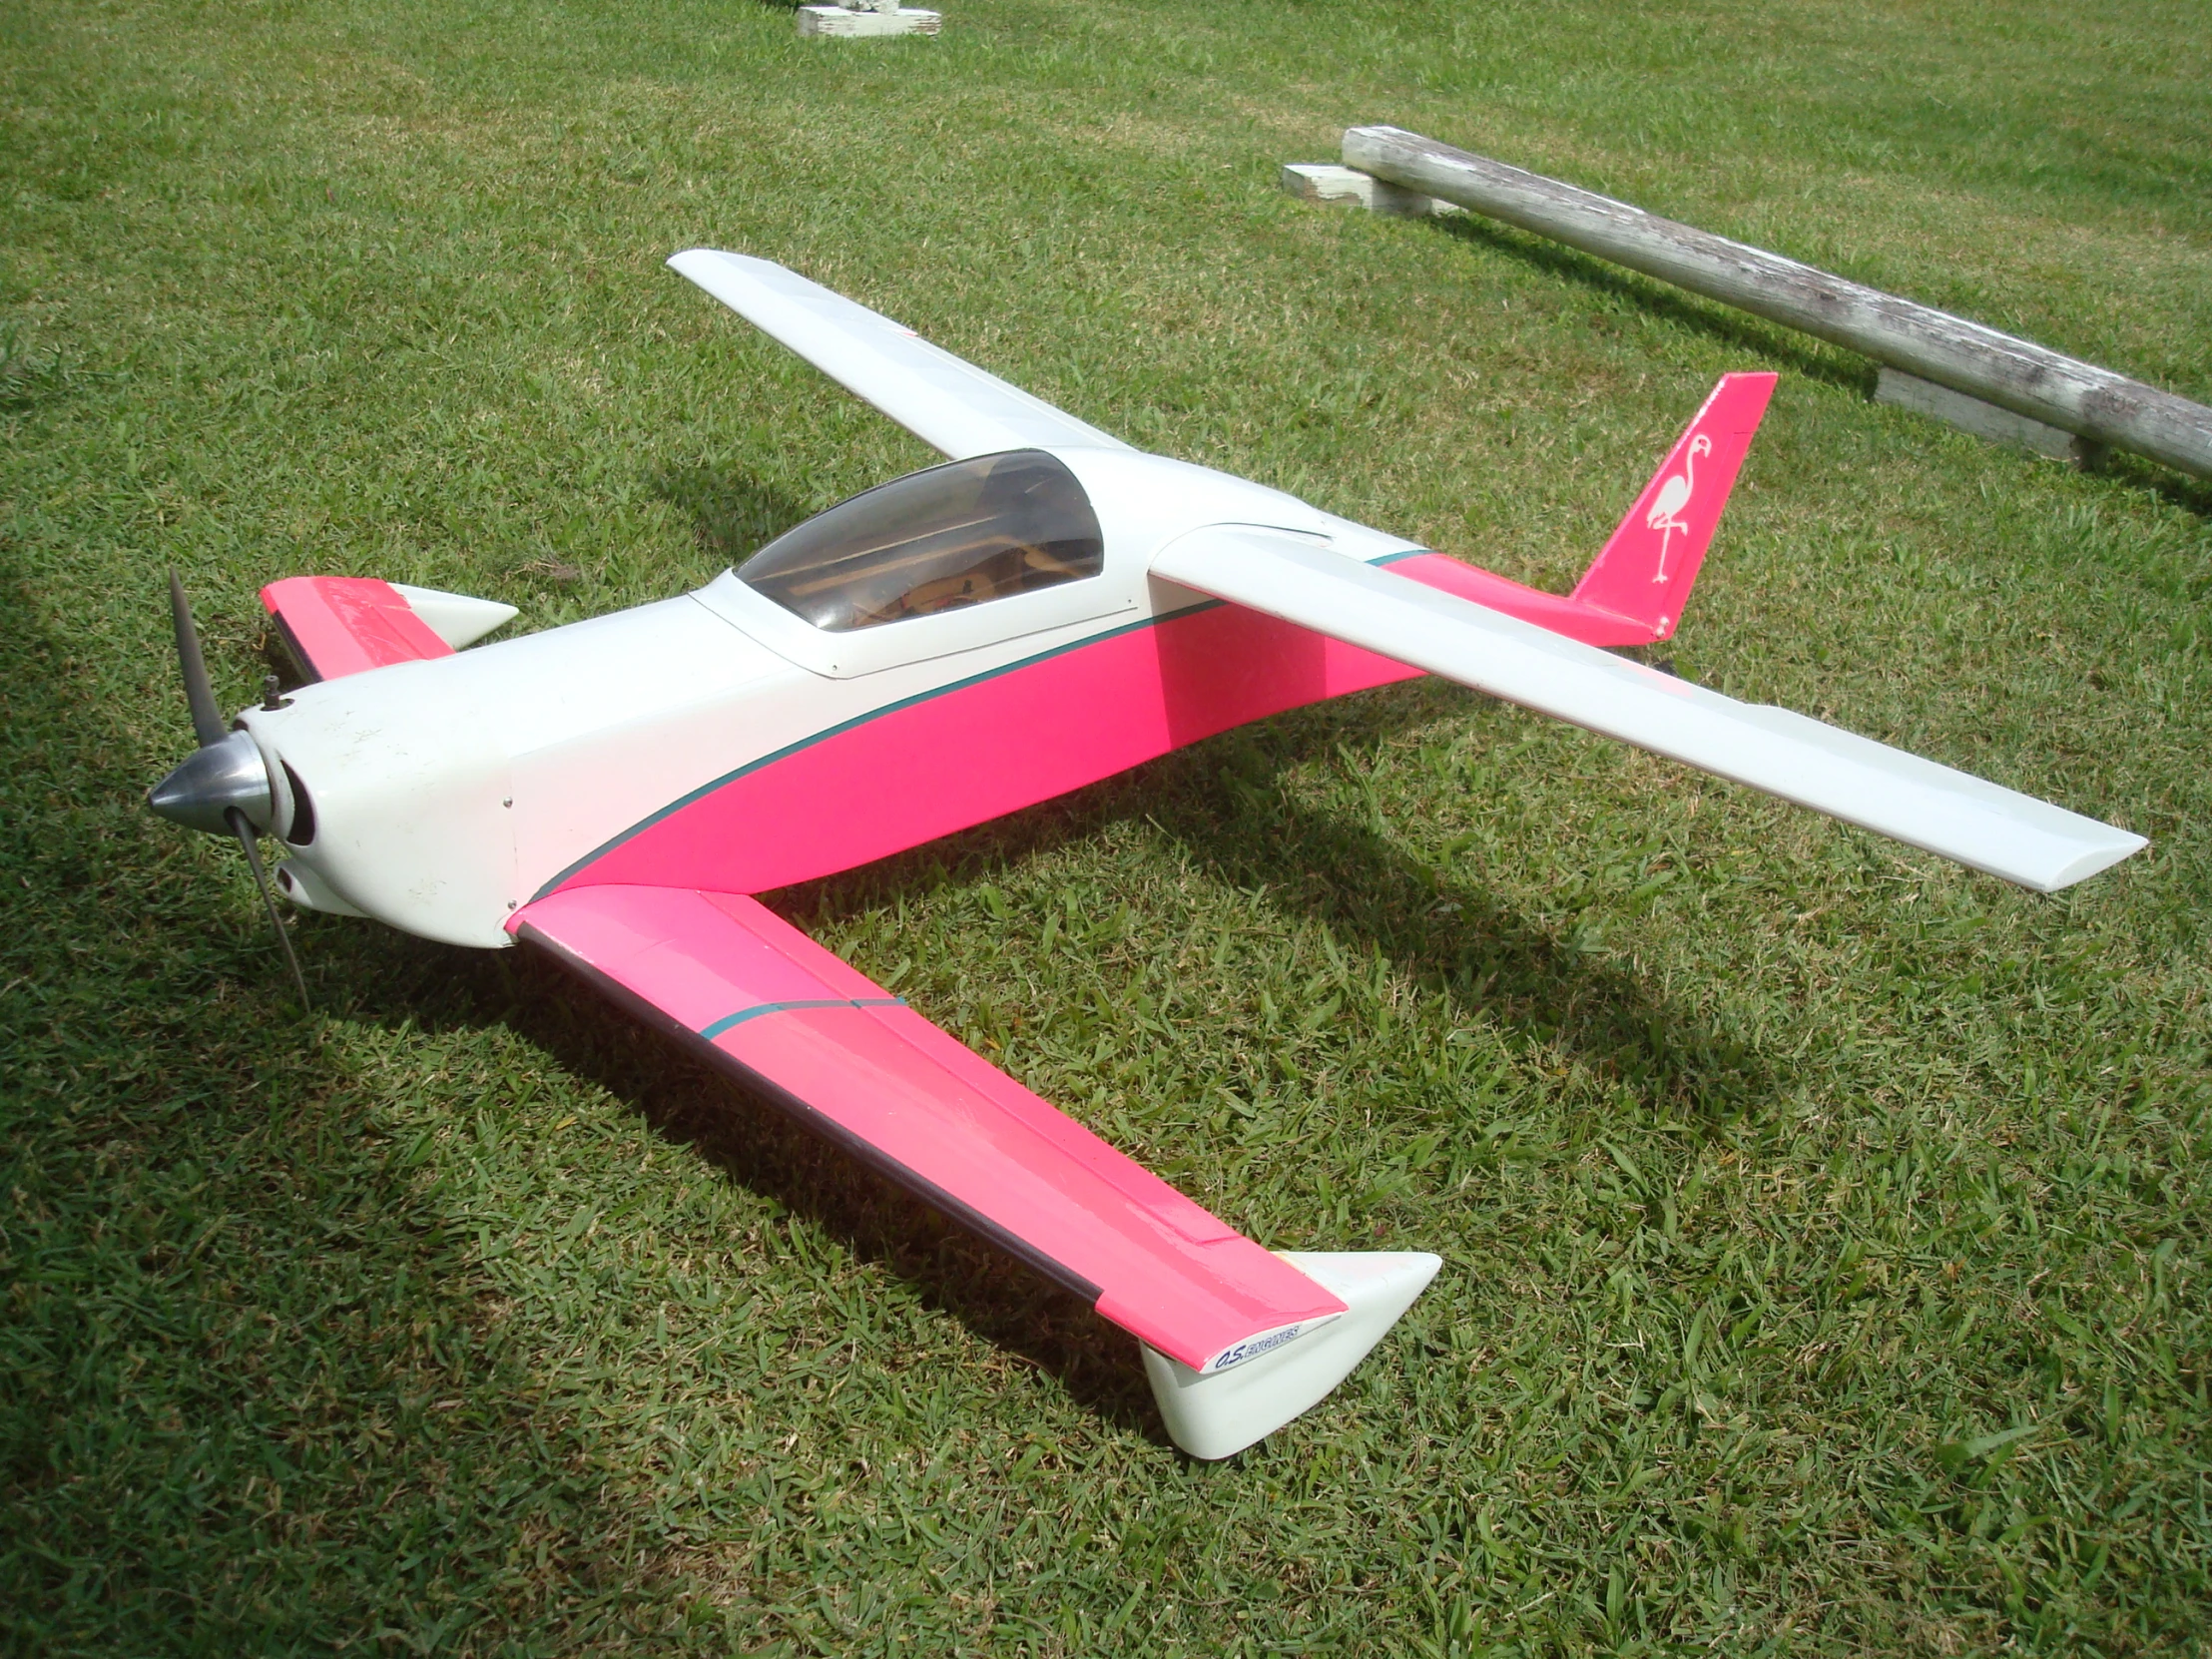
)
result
[(964, 533), (941, 560)]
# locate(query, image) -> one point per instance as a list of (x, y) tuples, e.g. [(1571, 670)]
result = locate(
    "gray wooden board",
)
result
[(1326, 182), (1984, 420), (838, 22)]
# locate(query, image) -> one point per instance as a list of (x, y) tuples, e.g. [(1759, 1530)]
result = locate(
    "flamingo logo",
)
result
[(1666, 512)]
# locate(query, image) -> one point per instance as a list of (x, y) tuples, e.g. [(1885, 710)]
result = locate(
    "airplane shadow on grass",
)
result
[(1444, 931), (201, 1168), (733, 514)]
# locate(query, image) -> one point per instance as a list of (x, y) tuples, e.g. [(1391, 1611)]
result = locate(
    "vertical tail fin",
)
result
[(1645, 571)]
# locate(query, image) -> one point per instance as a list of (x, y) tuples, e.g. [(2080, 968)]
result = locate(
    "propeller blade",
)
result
[(242, 828), (207, 718)]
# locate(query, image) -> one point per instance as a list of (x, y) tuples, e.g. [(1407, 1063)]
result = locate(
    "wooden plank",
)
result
[(1985, 420), (1326, 182), (842, 23), (2016, 375)]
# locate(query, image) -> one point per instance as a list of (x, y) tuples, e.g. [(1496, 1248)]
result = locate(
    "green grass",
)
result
[(1825, 1226)]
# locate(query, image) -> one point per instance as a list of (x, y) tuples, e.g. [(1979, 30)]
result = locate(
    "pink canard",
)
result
[(785, 1014), (340, 625)]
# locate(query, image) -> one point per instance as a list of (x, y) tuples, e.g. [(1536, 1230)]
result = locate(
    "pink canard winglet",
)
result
[(1645, 572), (340, 625), (760, 1000)]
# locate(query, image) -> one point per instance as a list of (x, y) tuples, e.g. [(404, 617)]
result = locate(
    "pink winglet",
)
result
[(1646, 570), (773, 1007), (340, 625)]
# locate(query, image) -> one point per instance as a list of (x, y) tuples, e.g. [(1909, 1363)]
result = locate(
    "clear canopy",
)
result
[(958, 534)]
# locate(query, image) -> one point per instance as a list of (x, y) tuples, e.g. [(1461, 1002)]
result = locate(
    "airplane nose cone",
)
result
[(212, 782)]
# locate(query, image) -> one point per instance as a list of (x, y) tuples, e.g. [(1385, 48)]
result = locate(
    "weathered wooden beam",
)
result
[(2014, 374)]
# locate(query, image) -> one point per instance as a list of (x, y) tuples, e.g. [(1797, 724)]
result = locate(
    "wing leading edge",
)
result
[(762, 1002), (1885, 789), (947, 402)]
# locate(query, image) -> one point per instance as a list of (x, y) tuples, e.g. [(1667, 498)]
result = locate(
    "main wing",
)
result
[(1865, 783), (1239, 1340), (947, 404)]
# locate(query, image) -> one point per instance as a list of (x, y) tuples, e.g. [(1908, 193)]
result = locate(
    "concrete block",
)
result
[(1984, 420)]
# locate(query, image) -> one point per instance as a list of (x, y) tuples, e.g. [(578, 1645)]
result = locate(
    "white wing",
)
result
[(949, 404), (1854, 778)]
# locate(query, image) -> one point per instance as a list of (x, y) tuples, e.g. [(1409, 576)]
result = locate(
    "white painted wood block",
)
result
[(1984, 420), (1326, 182), (846, 24)]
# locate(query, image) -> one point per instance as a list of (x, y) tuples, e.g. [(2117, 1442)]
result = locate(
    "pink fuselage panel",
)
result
[(1011, 738)]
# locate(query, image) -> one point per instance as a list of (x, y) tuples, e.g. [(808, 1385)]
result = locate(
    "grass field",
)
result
[(1825, 1226)]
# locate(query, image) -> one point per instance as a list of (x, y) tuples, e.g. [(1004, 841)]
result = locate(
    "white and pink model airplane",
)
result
[(1046, 609)]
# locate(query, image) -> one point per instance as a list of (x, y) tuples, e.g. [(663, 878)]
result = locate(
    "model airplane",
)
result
[(1047, 609)]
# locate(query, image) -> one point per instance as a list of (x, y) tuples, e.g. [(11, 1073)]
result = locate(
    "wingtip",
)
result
[(1218, 1413), (685, 258), (690, 261), (2123, 845)]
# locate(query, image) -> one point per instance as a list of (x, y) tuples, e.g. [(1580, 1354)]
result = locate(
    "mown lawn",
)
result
[(1824, 1226)]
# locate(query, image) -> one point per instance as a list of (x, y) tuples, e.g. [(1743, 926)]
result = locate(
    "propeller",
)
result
[(225, 780)]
